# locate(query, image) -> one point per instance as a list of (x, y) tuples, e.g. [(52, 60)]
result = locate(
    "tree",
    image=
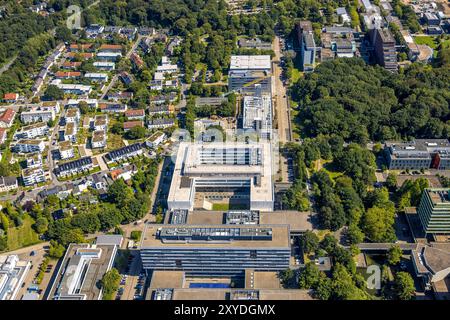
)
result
[(343, 286), (309, 242), (354, 233), (309, 276), (87, 222), (41, 225), (288, 278), (63, 33), (84, 107), (109, 217), (391, 181), (54, 93), (56, 250), (135, 133), (394, 255), (135, 235), (403, 286), (120, 193), (378, 225), (110, 283)]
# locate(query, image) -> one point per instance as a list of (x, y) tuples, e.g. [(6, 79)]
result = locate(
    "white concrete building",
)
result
[(66, 150), (98, 139), (100, 123), (155, 139), (32, 131), (29, 145), (12, 275), (96, 77), (33, 176), (104, 65), (221, 167), (72, 115)]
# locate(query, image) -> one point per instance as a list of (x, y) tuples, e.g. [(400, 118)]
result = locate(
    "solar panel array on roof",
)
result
[(68, 166), (124, 151)]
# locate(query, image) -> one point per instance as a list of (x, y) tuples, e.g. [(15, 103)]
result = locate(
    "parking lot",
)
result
[(132, 284)]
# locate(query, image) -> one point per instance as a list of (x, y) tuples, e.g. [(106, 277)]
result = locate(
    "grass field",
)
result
[(228, 206), (430, 41), (22, 236)]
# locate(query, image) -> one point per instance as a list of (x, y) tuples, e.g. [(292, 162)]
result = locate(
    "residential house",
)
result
[(128, 125), (32, 131), (70, 132), (98, 139), (104, 65), (10, 97), (29, 145), (112, 107), (135, 114), (158, 123), (100, 123), (34, 161), (109, 56), (68, 74), (8, 184), (72, 115), (3, 135), (33, 176), (96, 77), (155, 139), (66, 150), (7, 118), (74, 167), (124, 153)]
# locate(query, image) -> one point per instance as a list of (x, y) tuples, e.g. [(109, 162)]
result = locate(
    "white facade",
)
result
[(155, 139), (43, 114), (97, 77), (12, 274), (103, 65), (26, 146), (222, 165), (33, 176), (33, 131)]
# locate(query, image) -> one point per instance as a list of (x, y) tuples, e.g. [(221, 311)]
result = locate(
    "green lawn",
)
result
[(22, 236), (228, 206), (430, 41)]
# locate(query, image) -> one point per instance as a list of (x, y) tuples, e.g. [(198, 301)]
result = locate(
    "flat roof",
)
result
[(257, 62), (279, 237), (298, 221), (188, 166), (86, 287)]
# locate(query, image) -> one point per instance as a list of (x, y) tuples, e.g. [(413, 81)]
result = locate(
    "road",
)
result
[(116, 76), (6, 66), (279, 98)]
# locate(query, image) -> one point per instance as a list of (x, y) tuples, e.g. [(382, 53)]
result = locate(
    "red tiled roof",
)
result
[(7, 116), (80, 46), (110, 47), (11, 96), (134, 112), (63, 74), (132, 124)]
